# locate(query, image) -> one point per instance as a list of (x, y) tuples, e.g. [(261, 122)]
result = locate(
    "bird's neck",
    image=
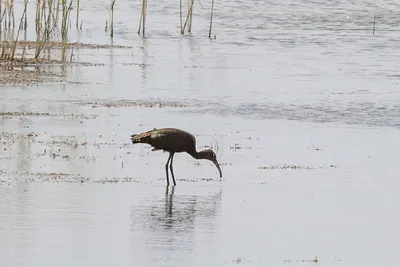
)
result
[(195, 154)]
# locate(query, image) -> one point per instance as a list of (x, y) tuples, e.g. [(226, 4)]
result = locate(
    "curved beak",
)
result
[(218, 167)]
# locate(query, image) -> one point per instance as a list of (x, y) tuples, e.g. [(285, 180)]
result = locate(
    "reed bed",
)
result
[(189, 17), (46, 23), (52, 19)]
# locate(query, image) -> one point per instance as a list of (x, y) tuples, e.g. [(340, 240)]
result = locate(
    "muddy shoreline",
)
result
[(26, 70)]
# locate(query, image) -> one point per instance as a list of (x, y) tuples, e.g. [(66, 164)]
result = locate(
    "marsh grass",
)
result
[(52, 24), (44, 25), (46, 21), (19, 28), (6, 30)]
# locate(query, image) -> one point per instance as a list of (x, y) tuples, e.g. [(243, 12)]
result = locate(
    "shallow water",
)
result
[(299, 100)]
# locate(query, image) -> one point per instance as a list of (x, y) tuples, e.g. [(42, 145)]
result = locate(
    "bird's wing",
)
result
[(153, 135)]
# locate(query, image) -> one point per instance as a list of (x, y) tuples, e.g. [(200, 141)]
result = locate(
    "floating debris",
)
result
[(44, 114), (26, 77), (32, 134), (295, 167), (238, 146), (33, 44), (53, 177), (139, 104), (298, 261)]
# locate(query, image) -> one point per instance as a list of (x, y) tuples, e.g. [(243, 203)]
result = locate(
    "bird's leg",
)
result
[(172, 169), (166, 168)]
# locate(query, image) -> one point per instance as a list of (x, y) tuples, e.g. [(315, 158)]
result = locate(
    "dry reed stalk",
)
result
[(64, 29), (1, 16), (23, 53), (373, 28), (52, 12), (43, 13), (47, 22), (19, 28), (5, 17), (10, 8), (37, 18), (1, 27), (211, 17), (72, 54), (12, 13), (40, 44), (188, 15), (57, 11), (24, 48), (180, 14), (26, 20), (143, 18), (5, 14), (64, 20), (77, 14), (10, 31), (112, 19), (3, 46), (41, 39)]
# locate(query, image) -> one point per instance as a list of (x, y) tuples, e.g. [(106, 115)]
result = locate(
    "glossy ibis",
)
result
[(174, 141)]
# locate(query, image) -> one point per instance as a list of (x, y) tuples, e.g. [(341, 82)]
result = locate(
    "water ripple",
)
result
[(359, 113)]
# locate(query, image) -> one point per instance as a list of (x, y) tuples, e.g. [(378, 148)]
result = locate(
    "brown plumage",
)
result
[(174, 141)]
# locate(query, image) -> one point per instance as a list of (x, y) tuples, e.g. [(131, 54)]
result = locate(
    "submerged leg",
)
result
[(172, 169), (166, 168)]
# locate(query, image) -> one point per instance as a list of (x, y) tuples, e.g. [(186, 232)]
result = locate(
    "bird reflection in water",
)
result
[(175, 220), (169, 201)]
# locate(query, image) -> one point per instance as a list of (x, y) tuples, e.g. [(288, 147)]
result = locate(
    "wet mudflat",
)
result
[(303, 119)]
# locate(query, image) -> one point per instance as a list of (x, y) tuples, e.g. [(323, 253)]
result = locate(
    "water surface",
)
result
[(298, 99)]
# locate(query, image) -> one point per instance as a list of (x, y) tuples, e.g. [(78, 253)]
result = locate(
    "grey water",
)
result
[(300, 100)]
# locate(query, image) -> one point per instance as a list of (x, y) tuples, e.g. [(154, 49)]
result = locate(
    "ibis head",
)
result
[(210, 155)]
